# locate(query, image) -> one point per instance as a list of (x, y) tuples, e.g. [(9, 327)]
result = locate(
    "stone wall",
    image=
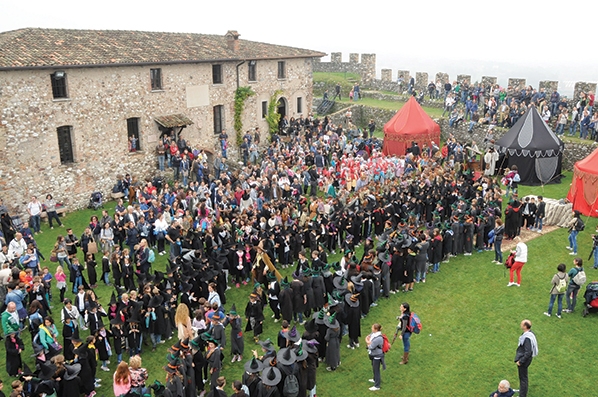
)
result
[(366, 68), (100, 100)]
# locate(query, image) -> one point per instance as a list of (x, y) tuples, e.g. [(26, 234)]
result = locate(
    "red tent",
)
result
[(409, 124), (584, 189)]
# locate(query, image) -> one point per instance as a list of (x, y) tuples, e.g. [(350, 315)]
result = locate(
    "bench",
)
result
[(117, 195), (59, 211)]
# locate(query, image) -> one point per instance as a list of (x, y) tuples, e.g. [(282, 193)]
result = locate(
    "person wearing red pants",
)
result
[(520, 260)]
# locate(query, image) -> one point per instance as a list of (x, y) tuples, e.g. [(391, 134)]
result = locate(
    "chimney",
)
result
[(232, 40)]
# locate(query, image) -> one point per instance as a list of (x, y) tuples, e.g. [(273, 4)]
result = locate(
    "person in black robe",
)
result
[(70, 382), (254, 312), (468, 232), (70, 331), (118, 335), (86, 373), (299, 299), (14, 347), (286, 300)]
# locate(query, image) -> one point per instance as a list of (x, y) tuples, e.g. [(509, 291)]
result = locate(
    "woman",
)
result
[(87, 241), (499, 232), (50, 205), (405, 330), (182, 320), (96, 227), (520, 260), (61, 252), (92, 275), (575, 226), (47, 337), (560, 281), (139, 375), (107, 237), (375, 341), (160, 229), (436, 246), (121, 380)]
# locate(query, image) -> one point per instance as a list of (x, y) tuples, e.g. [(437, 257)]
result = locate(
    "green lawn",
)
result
[(391, 105), (470, 326)]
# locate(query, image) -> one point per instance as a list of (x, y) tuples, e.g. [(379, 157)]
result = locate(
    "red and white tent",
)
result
[(583, 193)]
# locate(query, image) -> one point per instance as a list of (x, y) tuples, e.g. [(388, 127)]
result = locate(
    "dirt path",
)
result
[(526, 235)]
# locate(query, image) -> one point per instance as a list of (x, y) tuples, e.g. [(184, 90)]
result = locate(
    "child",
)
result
[(282, 338), (254, 312), (236, 334), (14, 347), (106, 268), (47, 280), (103, 346), (70, 331), (60, 281), (92, 275), (76, 274), (118, 337)]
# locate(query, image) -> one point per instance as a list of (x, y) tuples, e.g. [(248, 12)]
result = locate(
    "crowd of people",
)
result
[(305, 197)]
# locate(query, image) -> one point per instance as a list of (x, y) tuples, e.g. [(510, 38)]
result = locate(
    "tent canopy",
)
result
[(584, 188), (410, 123), (532, 146)]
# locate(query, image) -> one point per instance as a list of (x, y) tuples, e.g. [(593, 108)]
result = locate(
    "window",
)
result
[(156, 79), (217, 74), (299, 105), (218, 119), (264, 109), (65, 144), (282, 71), (252, 71), (133, 134), (59, 85)]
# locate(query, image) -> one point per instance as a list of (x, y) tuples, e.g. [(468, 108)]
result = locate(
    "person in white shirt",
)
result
[(17, 246), (34, 208), (520, 260)]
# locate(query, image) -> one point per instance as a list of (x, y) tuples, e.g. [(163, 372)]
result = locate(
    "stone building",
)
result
[(72, 100)]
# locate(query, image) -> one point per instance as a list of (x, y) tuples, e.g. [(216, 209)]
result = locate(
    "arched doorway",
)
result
[(281, 107)]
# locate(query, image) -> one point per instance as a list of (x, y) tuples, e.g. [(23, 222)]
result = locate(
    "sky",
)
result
[(536, 40)]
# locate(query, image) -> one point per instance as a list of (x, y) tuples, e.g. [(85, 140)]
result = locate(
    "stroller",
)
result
[(17, 222), (591, 299), (96, 201)]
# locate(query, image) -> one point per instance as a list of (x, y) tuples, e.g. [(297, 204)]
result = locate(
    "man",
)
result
[(372, 128), (337, 92), (573, 288), (527, 349), (34, 208), (325, 96), (10, 319), (218, 390), (17, 247), (540, 214)]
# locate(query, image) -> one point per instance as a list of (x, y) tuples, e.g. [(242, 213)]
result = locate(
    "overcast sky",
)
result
[(537, 40)]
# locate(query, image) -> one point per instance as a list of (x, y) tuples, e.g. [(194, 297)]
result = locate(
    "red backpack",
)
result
[(385, 344)]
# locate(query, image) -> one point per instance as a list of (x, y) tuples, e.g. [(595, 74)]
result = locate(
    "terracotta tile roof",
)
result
[(173, 120), (34, 47)]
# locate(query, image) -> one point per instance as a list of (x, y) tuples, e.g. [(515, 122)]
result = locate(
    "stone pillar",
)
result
[(464, 78), (354, 58), (516, 83), (336, 57), (549, 86), (386, 75), (404, 74), (443, 77), (421, 81), (488, 81), (583, 86), (368, 66)]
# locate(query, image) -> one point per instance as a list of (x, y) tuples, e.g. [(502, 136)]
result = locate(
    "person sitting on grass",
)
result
[(504, 390)]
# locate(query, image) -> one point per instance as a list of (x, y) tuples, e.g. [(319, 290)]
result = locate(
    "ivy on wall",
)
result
[(241, 95), (273, 117)]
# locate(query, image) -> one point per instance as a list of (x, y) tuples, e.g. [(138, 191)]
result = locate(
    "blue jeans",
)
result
[(436, 267), (77, 283), (584, 132), (35, 222), (572, 289), (161, 162), (551, 303), (497, 250), (538, 224), (471, 125), (406, 342), (596, 257), (560, 129), (573, 128), (573, 240), (63, 261), (156, 338)]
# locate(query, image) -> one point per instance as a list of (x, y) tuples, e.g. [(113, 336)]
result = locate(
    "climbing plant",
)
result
[(273, 117), (241, 95)]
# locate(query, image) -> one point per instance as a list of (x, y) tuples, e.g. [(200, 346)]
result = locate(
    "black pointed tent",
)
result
[(532, 146)]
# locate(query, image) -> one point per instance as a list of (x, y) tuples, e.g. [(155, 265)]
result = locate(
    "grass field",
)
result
[(470, 327)]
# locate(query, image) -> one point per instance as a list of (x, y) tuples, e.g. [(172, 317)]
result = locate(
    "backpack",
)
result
[(151, 257), (290, 387), (510, 261), (580, 278), (561, 287), (385, 344), (579, 225), (415, 324)]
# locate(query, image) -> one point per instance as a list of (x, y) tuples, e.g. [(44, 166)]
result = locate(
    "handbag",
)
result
[(53, 257), (92, 247)]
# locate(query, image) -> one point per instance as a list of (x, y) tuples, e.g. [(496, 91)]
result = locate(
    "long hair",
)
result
[(182, 314), (122, 373)]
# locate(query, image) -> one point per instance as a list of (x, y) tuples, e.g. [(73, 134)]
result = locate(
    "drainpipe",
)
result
[(239, 64)]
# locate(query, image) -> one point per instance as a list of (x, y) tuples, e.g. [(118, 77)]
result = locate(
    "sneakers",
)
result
[(374, 388), (567, 311), (351, 347), (357, 345), (234, 359), (103, 368), (558, 316), (518, 285), (572, 253), (511, 284), (569, 248), (547, 314), (371, 381)]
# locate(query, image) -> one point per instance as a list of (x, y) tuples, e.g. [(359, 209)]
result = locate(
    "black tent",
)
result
[(532, 146)]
